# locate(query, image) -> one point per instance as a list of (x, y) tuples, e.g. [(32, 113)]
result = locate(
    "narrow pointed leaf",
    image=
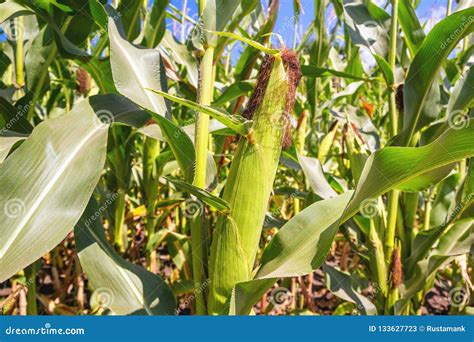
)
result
[(179, 142), (383, 170), (205, 196), (135, 69), (120, 286), (6, 144), (182, 55), (236, 123), (314, 71), (456, 241), (252, 43), (340, 284), (296, 248), (314, 174), (429, 59), (411, 26), (155, 25), (462, 96), (234, 91)]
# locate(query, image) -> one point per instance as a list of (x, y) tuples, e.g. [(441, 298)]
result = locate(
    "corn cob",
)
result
[(250, 181)]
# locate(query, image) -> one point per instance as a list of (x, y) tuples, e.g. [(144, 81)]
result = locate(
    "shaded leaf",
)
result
[(120, 286), (135, 69), (314, 174), (340, 283), (68, 153)]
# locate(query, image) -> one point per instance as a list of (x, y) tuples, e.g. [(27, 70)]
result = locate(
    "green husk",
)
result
[(248, 188)]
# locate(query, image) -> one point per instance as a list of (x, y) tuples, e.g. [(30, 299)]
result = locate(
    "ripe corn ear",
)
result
[(236, 238)]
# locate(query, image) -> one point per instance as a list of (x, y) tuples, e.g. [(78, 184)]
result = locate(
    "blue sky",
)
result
[(429, 11)]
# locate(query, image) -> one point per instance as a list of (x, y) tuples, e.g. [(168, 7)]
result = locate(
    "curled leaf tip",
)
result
[(253, 43)]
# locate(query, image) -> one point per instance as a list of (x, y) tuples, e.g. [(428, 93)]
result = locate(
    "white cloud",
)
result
[(435, 16)]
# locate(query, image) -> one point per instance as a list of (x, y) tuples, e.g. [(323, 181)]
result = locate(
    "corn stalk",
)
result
[(198, 226)]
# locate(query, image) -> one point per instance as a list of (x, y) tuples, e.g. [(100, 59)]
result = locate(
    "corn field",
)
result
[(224, 157)]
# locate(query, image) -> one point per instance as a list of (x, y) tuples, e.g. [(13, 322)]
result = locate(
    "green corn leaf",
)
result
[(368, 26), (114, 108), (38, 60), (6, 144), (296, 249), (203, 195), (235, 90), (180, 143), (155, 25), (248, 41), (98, 13), (68, 153), (340, 284), (444, 198), (181, 55), (135, 69), (427, 179), (462, 97), (299, 247), (15, 116), (119, 286), (314, 71), (382, 171), (456, 241), (314, 174), (411, 26), (424, 68), (216, 16), (130, 16), (386, 70), (236, 123)]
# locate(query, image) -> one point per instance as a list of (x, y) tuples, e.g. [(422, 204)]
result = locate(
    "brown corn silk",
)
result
[(236, 237), (84, 81), (396, 268)]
